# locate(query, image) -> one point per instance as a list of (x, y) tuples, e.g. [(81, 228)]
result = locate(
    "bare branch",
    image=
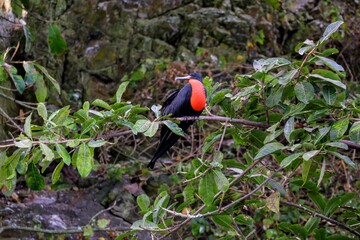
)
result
[(225, 119)]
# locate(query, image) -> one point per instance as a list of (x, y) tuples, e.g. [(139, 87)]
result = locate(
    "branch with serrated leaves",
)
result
[(245, 122), (11, 143)]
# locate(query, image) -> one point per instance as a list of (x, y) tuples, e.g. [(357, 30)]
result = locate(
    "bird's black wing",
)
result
[(176, 105), (169, 99)]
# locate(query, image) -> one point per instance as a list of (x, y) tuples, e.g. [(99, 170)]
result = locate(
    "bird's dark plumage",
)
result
[(181, 103)]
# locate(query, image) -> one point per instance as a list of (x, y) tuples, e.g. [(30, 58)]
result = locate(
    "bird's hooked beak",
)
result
[(188, 77)]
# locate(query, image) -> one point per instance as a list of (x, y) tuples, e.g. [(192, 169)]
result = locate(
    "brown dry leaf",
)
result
[(273, 202)]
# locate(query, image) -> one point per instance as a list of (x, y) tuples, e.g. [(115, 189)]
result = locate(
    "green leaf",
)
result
[(304, 91), (326, 74), (97, 143), (3, 74), (50, 78), (245, 92), (312, 224), (338, 145), (274, 96), (221, 181), (322, 133), (320, 234), (339, 128), (120, 91), (152, 129), (17, 79), (332, 81), (56, 174), (88, 125), (318, 199), (63, 153), (174, 128), (188, 194), (59, 117), (306, 165), (42, 111), (144, 224), (289, 159), (330, 29), (207, 188), (299, 231), (101, 103), (143, 202), (139, 74), (289, 128), (34, 179), (223, 221), (28, 38), (56, 41), (47, 152), (331, 63), (322, 173), (41, 89), (329, 94), (346, 159), (141, 125), (161, 202), (244, 219), (218, 97), (354, 133), (84, 160), (23, 143), (102, 223), (284, 80), (268, 149), (88, 231), (27, 126), (310, 154), (31, 74), (336, 202)]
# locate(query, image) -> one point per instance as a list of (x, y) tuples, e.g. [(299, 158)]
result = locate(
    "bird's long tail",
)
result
[(165, 145)]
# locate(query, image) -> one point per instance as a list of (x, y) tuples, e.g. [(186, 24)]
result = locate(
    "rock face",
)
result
[(107, 39)]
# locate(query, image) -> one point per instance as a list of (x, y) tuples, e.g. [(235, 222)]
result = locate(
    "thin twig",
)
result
[(102, 211), (17, 101), (187, 220), (106, 136), (4, 114), (316, 214), (225, 119)]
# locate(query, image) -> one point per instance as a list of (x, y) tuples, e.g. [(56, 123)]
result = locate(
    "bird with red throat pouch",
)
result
[(189, 101)]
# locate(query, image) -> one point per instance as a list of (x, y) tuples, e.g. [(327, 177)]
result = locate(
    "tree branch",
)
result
[(316, 214), (248, 123), (105, 136), (226, 119)]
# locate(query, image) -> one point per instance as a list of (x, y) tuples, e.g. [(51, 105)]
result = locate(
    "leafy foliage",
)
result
[(306, 113)]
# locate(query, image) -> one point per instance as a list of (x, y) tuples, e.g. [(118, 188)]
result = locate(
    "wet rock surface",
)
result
[(68, 209)]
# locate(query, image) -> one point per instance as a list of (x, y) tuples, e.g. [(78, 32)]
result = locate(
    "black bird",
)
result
[(188, 101)]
